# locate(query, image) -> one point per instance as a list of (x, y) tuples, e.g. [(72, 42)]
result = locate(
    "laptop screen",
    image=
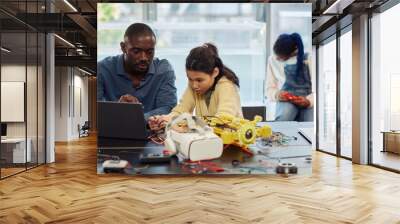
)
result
[(121, 120)]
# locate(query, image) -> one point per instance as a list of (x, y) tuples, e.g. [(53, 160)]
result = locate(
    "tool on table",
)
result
[(286, 168), (155, 158)]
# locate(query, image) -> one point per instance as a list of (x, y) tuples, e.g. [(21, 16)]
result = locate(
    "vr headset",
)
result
[(190, 138)]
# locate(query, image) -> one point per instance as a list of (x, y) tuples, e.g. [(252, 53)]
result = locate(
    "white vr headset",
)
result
[(197, 142)]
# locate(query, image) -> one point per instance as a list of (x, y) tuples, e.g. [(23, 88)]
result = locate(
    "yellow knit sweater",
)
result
[(224, 99)]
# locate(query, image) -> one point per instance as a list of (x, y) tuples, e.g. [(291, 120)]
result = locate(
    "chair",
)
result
[(250, 111), (84, 130)]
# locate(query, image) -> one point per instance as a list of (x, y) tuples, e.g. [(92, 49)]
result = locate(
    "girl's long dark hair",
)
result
[(205, 58), (286, 44)]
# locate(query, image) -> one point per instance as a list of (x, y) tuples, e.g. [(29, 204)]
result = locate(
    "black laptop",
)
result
[(121, 120)]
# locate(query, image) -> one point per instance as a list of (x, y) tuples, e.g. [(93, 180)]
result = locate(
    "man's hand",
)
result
[(158, 122), (127, 98), (301, 101)]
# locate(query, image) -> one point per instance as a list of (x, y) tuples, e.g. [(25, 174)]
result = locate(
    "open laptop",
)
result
[(121, 120)]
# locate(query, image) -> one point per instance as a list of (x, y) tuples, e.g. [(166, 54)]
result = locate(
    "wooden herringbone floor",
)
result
[(70, 191)]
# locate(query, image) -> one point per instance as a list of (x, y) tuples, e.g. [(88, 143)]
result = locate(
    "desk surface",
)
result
[(13, 140), (264, 161), (391, 132)]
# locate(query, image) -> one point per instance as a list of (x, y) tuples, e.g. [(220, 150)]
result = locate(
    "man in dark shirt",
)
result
[(136, 76)]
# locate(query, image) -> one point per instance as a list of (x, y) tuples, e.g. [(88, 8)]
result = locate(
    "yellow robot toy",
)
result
[(238, 131)]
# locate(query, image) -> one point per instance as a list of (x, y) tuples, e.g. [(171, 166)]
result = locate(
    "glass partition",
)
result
[(14, 154), (385, 89), (22, 89)]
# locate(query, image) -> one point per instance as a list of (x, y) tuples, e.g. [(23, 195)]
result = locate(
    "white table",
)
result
[(17, 146)]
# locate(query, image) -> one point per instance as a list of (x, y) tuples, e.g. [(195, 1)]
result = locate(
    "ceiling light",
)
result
[(64, 40), (79, 51), (70, 5), (84, 71), (337, 7), (5, 50)]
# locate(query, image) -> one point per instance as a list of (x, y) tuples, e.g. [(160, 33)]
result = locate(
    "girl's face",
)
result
[(282, 57), (201, 82)]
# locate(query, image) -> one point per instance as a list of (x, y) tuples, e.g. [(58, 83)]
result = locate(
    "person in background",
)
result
[(213, 88), (135, 76), (288, 80)]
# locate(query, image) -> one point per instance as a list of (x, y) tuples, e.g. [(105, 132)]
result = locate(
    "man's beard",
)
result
[(134, 68), (141, 67)]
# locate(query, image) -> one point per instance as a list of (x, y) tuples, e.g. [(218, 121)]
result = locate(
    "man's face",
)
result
[(138, 52)]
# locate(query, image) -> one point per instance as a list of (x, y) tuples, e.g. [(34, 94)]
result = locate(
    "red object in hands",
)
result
[(289, 96)]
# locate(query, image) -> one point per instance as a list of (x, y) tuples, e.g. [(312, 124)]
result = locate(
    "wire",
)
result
[(157, 137), (277, 138)]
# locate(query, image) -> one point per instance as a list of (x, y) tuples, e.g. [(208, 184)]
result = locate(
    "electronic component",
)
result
[(235, 163), (114, 165), (155, 158), (276, 138), (286, 168)]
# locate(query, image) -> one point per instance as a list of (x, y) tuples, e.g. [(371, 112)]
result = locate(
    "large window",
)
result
[(346, 94), (327, 97), (238, 30), (385, 86), (334, 136)]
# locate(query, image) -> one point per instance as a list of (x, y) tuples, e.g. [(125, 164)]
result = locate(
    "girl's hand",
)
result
[(301, 101), (283, 96), (164, 120), (152, 121), (158, 122)]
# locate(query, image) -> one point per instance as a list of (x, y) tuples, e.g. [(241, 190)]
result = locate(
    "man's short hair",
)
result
[(138, 29)]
